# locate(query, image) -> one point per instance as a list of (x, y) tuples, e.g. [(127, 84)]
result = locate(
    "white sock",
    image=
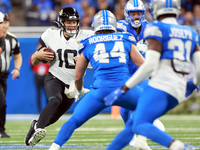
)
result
[(35, 126), (159, 125), (54, 146), (177, 145)]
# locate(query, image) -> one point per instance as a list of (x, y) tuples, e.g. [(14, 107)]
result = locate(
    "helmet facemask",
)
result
[(69, 14), (138, 5)]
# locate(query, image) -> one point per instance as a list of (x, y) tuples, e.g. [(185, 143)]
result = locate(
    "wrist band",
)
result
[(17, 69)]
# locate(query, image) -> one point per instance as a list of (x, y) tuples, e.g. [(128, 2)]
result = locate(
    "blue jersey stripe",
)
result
[(137, 3), (105, 17), (170, 3), (167, 3)]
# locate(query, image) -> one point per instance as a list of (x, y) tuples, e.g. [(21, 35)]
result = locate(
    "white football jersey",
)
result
[(63, 65)]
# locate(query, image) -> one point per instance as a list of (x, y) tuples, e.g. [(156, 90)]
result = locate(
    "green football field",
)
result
[(98, 132)]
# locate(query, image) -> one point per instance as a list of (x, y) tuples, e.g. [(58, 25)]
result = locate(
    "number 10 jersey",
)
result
[(63, 65)]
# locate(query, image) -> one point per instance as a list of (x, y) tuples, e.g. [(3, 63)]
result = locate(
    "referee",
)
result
[(11, 48)]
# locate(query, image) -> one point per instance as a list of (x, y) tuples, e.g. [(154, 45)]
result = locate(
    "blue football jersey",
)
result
[(178, 43), (108, 55), (125, 26)]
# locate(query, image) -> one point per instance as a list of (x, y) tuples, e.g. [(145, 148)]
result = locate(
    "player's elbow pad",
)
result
[(2, 43), (196, 61)]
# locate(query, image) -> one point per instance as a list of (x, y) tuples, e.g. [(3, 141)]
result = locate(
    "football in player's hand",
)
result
[(50, 51)]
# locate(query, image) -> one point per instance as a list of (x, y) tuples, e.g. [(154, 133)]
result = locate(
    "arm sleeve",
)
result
[(196, 61), (145, 70)]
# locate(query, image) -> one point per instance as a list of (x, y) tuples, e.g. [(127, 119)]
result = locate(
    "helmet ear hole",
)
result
[(68, 13)]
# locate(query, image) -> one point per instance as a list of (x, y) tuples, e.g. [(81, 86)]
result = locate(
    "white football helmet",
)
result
[(104, 20), (162, 7), (134, 5)]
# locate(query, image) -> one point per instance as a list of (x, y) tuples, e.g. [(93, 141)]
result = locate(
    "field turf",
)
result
[(98, 132)]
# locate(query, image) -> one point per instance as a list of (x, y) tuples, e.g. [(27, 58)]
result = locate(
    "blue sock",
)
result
[(66, 131), (123, 138), (125, 114)]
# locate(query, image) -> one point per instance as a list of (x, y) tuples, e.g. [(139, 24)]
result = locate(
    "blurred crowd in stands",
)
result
[(44, 12)]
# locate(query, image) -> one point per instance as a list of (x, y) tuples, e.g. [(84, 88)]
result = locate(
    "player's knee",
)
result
[(57, 99), (75, 122), (124, 111), (137, 127)]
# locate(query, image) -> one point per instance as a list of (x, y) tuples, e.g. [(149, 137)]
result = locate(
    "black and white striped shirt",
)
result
[(12, 47)]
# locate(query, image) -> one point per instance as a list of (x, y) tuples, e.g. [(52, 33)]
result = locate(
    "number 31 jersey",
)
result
[(63, 65), (178, 45)]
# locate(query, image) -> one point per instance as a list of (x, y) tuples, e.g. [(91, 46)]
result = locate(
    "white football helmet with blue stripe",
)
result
[(162, 7), (104, 20), (134, 5)]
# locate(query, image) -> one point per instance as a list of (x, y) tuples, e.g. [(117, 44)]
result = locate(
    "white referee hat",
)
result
[(1, 17)]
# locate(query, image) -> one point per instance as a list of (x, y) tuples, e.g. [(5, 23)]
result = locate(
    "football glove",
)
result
[(142, 48), (81, 93), (71, 92), (190, 88), (112, 97)]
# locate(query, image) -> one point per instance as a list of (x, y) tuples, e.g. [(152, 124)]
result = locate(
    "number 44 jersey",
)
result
[(108, 55), (63, 65), (178, 45)]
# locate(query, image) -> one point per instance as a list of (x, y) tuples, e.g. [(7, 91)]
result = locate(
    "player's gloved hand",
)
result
[(190, 88), (112, 97), (142, 48), (71, 91), (81, 93)]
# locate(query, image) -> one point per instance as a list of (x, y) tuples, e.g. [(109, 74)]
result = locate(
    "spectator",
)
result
[(86, 21), (187, 5), (196, 12), (74, 4), (40, 72), (5, 6), (41, 13), (181, 18), (189, 20), (103, 5), (119, 9)]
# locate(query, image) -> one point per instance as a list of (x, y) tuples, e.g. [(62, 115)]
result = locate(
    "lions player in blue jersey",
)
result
[(108, 53), (135, 23), (171, 47)]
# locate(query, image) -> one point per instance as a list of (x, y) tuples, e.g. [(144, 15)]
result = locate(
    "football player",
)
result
[(170, 48), (108, 53), (135, 23), (64, 43)]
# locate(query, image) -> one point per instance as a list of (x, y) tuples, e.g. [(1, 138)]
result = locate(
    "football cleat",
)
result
[(30, 132), (3, 134), (141, 145), (37, 136), (132, 142)]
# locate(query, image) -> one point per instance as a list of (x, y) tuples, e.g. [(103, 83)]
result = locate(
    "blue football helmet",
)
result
[(104, 20), (162, 7), (134, 5)]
